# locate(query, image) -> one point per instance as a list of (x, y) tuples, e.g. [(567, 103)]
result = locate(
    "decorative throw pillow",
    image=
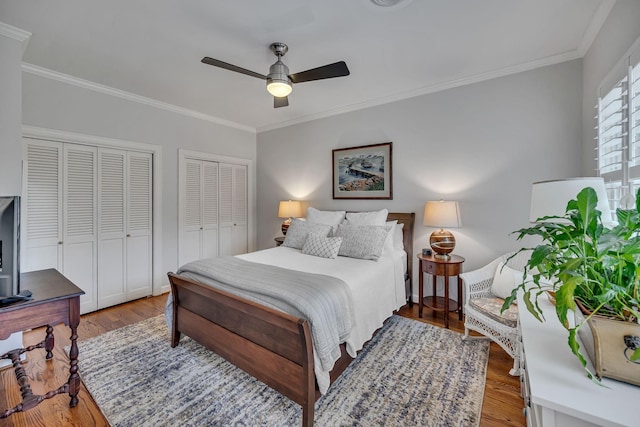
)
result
[(362, 241), (504, 281), (332, 218), (367, 218), (321, 246), (298, 231)]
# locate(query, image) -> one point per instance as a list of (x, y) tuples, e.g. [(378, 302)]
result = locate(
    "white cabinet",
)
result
[(213, 209), (87, 213), (555, 388)]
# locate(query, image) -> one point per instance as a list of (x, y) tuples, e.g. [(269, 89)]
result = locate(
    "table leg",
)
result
[(459, 298), (446, 299), (434, 289), (49, 342), (74, 377), (420, 290)]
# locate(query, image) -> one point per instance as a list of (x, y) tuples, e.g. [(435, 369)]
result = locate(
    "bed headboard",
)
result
[(408, 219)]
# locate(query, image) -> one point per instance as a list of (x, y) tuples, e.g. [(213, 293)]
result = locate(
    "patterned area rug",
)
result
[(410, 374)]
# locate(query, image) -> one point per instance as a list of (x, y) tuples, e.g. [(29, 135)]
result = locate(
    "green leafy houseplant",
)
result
[(586, 262)]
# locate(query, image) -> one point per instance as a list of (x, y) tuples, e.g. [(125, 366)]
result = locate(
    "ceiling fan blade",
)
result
[(231, 67), (337, 69), (282, 101)]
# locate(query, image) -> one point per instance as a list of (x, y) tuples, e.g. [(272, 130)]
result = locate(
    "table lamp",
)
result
[(441, 214), (289, 209), (550, 198)]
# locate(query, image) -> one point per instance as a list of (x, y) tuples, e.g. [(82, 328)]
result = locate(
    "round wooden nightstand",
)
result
[(279, 240), (446, 267)]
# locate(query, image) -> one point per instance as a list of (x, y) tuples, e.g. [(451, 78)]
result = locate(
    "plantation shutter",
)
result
[(634, 127)]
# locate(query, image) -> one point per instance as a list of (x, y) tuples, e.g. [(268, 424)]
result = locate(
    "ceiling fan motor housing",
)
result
[(278, 82)]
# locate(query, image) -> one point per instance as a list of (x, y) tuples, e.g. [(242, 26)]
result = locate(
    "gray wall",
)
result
[(56, 105), (619, 32), (481, 144), (10, 111)]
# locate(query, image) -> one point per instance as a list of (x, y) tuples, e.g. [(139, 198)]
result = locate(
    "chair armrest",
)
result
[(477, 283)]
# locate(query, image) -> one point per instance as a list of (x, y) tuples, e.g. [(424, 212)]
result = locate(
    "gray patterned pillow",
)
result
[(362, 241), (321, 246), (298, 231)]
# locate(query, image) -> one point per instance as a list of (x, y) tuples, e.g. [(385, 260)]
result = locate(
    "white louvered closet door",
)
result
[(139, 225), (209, 210), (42, 210), (200, 211), (192, 212), (240, 230), (233, 209), (111, 227), (79, 221)]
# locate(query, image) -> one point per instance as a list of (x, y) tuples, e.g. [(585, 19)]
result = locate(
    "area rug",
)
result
[(410, 374)]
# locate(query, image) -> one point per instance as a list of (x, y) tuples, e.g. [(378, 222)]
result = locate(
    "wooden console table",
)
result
[(55, 300)]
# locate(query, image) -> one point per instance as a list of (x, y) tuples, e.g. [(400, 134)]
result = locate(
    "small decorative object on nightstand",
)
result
[(289, 209), (437, 266), (441, 214), (279, 241)]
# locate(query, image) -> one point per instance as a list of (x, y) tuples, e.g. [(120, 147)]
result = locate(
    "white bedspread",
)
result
[(377, 286)]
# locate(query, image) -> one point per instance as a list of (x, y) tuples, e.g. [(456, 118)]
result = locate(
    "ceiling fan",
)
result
[(279, 80)]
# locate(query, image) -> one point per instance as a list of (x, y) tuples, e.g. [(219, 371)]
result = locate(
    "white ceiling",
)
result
[(153, 48)]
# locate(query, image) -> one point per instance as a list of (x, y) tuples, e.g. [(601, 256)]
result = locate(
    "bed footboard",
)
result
[(272, 346)]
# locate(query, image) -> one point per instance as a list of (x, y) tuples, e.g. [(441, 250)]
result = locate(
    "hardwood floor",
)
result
[(502, 404)]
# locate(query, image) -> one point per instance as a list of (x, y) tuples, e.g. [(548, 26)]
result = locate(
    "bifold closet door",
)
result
[(125, 220), (233, 209), (111, 231), (200, 210), (60, 214), (139, 225)]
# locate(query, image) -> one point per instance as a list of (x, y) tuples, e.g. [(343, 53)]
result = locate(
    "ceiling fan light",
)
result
[(279, 88)]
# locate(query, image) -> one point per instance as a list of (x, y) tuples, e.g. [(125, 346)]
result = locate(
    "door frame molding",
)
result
[(198, 155), (33, 132)]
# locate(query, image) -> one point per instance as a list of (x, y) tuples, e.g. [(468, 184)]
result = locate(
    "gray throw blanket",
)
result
[(325, 301)]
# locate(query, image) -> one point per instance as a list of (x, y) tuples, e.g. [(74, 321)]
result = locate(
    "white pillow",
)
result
[(298, 231), (320, 246), (368, 218), (389, 241), (332, 218), (362, 241), (504, 281), (398, 237)]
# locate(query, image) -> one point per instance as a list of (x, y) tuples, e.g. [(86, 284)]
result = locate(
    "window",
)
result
[(619, 131)]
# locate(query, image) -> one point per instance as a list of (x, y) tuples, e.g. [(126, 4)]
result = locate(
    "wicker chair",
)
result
[(482, 309)]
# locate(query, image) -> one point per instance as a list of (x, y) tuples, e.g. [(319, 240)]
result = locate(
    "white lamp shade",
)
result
[(290, 209), (550, 198), (442, 214)]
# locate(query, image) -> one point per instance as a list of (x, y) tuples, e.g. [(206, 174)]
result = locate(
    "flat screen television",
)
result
[(9, 246)]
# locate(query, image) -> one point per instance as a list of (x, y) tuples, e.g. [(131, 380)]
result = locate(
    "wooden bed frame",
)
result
[(270, 345)]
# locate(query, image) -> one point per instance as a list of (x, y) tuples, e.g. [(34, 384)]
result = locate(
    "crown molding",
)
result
[(15, 33), (594, 27), (425, 90), (107, 90)]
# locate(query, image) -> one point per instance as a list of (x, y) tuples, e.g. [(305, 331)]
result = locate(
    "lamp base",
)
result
[(442, 243), (285, 226)]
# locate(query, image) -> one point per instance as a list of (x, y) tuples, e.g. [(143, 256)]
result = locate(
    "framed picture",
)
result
[(362, 172)]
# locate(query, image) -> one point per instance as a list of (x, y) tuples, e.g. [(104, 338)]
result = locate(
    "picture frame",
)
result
[(363, 172)]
